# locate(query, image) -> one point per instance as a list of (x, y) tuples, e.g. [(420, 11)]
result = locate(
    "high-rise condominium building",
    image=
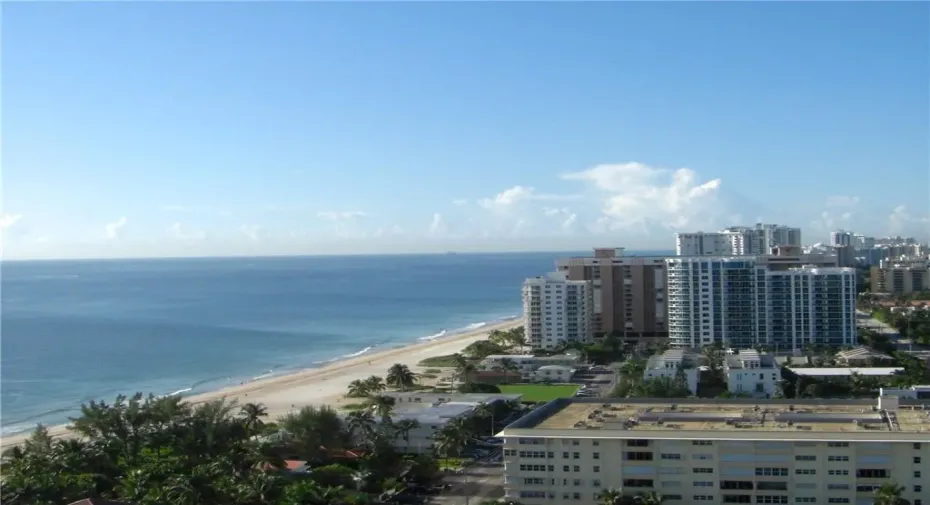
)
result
[(744, 301), (694, 451), (556, 309), (841, 238), (900, 278), (737, 241), (629, 292)]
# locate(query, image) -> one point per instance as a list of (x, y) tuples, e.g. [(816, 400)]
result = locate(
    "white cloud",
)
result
[(638, 196), (114, 229), (179, 232), (838, 213), (392, 231), (519, 194), (332, 215), (565, 218), (252, 231), (438, 225), (9, 220), (901, 221)]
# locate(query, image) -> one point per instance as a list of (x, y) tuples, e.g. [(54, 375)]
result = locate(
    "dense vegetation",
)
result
[(163, 451)]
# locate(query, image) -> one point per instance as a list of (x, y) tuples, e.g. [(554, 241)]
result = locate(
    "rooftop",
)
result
[(735, 361), (843, 371), (688, 359), (735, 419)]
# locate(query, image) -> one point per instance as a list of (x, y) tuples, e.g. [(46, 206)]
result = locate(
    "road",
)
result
[(472, 486)]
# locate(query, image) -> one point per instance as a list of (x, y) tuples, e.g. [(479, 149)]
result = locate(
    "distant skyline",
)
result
[(288, 128)]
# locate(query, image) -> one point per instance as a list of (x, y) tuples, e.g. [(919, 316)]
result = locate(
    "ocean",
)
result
[(73, 331)]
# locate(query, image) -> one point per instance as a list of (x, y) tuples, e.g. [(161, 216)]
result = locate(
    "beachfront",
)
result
[(326, 385)]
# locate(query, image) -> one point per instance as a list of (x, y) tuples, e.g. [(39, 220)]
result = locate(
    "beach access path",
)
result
[(325, 385)]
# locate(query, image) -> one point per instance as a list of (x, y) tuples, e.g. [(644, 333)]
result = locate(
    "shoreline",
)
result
[(325, 385)]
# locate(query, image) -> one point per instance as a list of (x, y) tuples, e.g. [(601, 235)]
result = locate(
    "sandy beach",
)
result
[(326, 385)]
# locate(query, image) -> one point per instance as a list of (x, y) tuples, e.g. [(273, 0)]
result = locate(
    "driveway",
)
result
[(472, 486)]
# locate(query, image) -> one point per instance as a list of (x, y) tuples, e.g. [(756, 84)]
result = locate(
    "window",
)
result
[(837, 500), (703, 470), (701, 442), (703, 483), (837, 458), (837, 487), (576, 455), (917, 474), (872, 473), (595, 443), (671, 456), (771, 499), (703, 497), (564, 455), (916, 460), (837, 444), (576, 468), (637, 443), (597, 469), (916, 446), (918, 489), (702, 456), (772, 472), (805, 458), (576, 482), (597, 455), (566, 468), (805, 499), (595, 483), (806, 471), (637, 456)]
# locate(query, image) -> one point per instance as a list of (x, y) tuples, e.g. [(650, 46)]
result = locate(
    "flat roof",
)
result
[(840, 371), (731, 419)]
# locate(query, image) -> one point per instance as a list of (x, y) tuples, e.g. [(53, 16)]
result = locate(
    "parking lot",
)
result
[(596, 381)]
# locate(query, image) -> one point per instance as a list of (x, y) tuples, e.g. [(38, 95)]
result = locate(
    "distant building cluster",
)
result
[(740, 287)]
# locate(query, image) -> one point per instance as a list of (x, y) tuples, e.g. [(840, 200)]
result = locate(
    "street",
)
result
[(472, 486)]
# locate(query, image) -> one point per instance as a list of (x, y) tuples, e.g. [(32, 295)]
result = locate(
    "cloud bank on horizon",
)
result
[(631, 204)]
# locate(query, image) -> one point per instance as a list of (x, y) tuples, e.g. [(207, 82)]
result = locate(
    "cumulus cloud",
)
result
[(180, 232), (639, 196), (519, 194), (114, 229), (392, 231), (565, 219), (252, 231), (9, 220), (838, 213), (333, 215), (437, 225), (902, 221)]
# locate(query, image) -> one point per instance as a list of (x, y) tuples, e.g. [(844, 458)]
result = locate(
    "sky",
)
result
[(225, 128)]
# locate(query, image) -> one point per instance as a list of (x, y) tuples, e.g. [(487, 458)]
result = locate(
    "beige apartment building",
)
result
[(719, 452), (900, 279), (629, 292)]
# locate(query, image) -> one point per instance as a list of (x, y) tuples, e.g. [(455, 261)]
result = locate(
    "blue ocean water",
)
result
[(79, 330)]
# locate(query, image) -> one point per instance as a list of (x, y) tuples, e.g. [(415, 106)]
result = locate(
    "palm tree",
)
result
[(374, 385), (383, 406), (360, 422), (889, 494), (401, 377), (649, 498), (403, 428), (452, 438), (252, 414), (482, 411), (358, 389), (612, 496)]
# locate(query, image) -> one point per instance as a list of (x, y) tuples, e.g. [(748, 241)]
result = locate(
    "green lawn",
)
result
[(540, 392)]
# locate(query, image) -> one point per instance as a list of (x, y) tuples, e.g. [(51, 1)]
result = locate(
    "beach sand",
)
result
[(325, 385)]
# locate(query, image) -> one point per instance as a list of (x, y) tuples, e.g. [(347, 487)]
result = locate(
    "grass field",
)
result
[(540, 392)]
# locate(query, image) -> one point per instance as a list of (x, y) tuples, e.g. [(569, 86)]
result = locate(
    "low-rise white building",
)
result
[(432, 411), (527, 364), (668, 363), (753, 373), (553, 373)]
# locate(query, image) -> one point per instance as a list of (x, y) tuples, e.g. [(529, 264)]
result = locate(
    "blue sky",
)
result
[(254, 128)]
